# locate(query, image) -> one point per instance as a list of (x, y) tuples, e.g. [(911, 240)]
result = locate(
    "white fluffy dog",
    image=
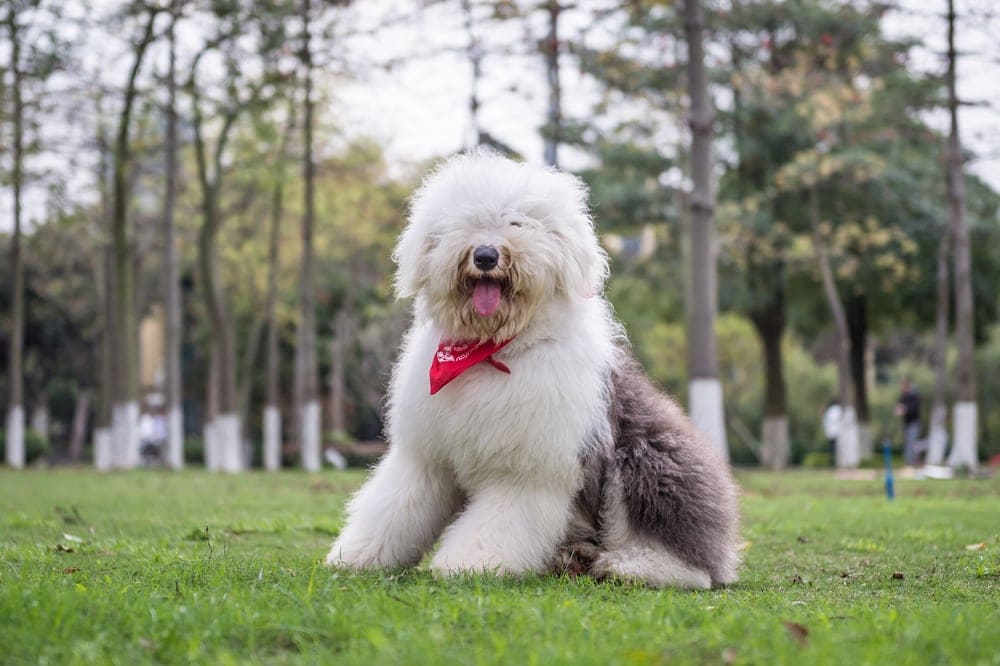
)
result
[(539, 444)]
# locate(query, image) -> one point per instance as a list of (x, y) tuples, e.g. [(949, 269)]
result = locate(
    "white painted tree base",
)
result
[(15, 437), (209, 448), (964, 425), (103, 458), (705, 398), (125, 435), (848, 452), (272, 438), (310, 435), (175, 438), (775, 450), (229, 446), (937, 438), (866, 448)]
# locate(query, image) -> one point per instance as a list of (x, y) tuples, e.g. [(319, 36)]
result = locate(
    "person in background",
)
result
[(832, 414), (908, 409)]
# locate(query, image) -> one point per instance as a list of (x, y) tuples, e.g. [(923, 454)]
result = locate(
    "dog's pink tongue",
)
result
[(486, 297)]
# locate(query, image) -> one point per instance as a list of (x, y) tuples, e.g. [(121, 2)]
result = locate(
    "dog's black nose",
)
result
[(485, 257)]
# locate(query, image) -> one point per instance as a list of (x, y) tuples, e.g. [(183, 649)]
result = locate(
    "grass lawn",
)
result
[(153, 566)]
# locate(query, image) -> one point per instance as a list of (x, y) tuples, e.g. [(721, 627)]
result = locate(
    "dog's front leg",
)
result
[(506, 530), (396, 516)]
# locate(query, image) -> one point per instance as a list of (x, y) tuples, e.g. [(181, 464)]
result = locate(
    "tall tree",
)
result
[(172, 287), (964, 452), (125, 348), (15, 409), (550, 50), (104, 279), (272, 400), (705, 392), (937, 438), (307, 371), (223, 429), (846, 454)]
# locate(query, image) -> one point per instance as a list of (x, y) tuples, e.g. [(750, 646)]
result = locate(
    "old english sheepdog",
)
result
[(523, 435)]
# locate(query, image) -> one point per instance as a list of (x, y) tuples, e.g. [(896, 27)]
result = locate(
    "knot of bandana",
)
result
[(454, 358)]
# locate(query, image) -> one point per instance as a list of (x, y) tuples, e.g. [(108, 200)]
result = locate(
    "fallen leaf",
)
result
[(74, 539), (746, 545), (796, 580), (729, 655), (976, 546), (69, 570), (898, 575), (799, 632)]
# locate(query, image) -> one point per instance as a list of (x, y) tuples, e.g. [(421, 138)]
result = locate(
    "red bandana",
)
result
[(454, 358)]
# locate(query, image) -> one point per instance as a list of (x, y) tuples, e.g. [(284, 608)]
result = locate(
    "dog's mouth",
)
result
[(487, 295)]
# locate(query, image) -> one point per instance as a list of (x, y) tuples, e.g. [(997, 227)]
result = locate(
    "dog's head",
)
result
[(490, 240)]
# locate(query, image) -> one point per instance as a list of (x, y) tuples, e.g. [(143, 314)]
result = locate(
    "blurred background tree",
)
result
[(287, 193)]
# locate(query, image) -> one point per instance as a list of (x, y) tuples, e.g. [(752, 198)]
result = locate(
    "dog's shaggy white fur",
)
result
[(572, 461)]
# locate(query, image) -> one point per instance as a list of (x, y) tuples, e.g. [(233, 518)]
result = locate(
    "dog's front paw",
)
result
[(458, 561), (358, 556)]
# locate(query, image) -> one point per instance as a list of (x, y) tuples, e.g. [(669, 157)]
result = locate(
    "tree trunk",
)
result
[(937, 441), (104, 283), (78, 431), (15, 411), (857, 326), (210, 447), (172, 297), (308, 379), (247, 366), (226, 438), (338, 363), (475, 55), (964, 452), (769, 322), (104, 458), (272, 410), (125, 409), (847, 454), (223, 443), (550, 50), (703, 371)]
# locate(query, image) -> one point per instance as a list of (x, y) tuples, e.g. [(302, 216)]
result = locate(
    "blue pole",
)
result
[(889, 490)]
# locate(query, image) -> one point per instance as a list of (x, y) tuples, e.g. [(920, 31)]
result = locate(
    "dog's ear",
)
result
[(410, 257), (587, 268)]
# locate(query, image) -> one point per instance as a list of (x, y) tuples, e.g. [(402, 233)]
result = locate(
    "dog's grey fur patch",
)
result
[(675, 487)]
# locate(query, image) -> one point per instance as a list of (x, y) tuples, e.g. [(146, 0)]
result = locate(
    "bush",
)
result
[(35, 446), (817, 460)]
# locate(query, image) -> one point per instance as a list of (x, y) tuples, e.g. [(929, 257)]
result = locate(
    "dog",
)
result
[(524, 437)]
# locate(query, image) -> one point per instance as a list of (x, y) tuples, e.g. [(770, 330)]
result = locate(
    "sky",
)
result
[(407, 85)]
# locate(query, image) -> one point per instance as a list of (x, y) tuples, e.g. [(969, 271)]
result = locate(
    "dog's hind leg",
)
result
[(630, 556), (397, 515)]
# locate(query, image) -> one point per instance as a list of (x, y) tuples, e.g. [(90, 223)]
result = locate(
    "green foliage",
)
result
[(175, 568), (194, 451), (988, 387), (36, 446), (817, 460)]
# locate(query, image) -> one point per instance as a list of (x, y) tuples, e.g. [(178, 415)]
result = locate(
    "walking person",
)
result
[(908, 409)]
